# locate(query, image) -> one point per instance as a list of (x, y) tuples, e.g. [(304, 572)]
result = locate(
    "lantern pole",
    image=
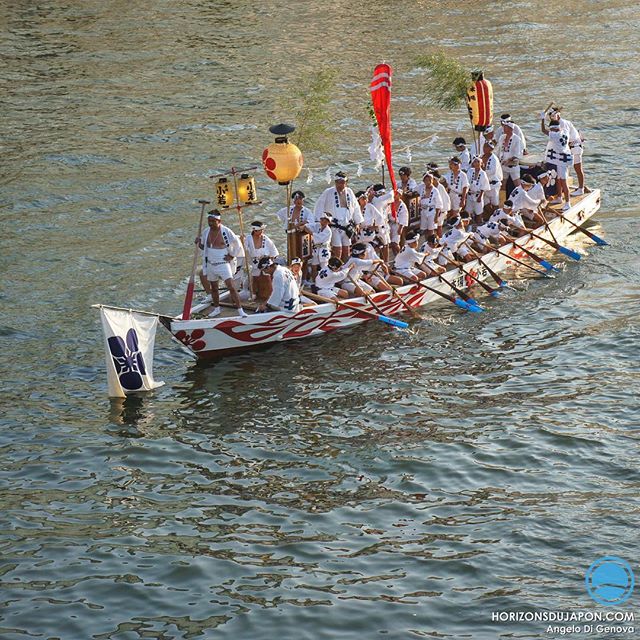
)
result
[(234, 173), (291, 230)]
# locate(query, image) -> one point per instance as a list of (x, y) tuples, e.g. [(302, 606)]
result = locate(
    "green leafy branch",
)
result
[(448, 80)]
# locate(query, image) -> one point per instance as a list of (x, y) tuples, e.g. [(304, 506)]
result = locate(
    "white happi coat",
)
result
[(254, 253), (408, 258), (329, 202), (454, 238), (465, 159), (512, 219), (321, 239), (306, 215), (285, 293), (493, 170), (478, 181), (517, 131), (232, 242), (511, 149), (558, 150), (456, 186)]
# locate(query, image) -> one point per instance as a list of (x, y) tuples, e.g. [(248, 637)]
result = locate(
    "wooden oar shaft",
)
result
[(419, 283), (491, 272), (460, 266), (338, 303)]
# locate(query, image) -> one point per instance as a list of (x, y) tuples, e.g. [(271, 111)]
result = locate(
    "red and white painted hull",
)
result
[(211, 339)]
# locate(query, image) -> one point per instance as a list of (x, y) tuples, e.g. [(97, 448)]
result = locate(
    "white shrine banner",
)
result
[(129, 338)]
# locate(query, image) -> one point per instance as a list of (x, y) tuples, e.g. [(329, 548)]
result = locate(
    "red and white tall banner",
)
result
[(381, 100)]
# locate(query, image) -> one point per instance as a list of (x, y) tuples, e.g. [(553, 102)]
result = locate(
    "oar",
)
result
[(457, 301), (392, 321), (567, 252), (597, 239), (404, 303), (492, 273), (490, 290), (188, 298), (520, 262), (541, 261), (364, 293), (465, 296)]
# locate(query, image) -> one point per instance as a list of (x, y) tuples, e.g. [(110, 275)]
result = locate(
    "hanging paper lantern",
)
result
[(480, 102), (282, 160), (247, 189), (224, 193)]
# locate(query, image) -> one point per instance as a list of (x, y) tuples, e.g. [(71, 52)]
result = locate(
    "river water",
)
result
[(372, 483)]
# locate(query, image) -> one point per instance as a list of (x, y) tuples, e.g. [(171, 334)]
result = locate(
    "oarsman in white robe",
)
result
[(460, 145), (220, 247), (576, 144), (458, 187), (558, 153), (490, 233), (432, 250), (379, 278), (526, 206), (537, 192), (441, 184), (430, 205), (329, 279), (508, 217), (285, 293), (357, 265), (295, 266), (510, 149), (342, 204), (407, 262), (296, 214), (505, 117), (258, 245), (321, 239), (382, 200), (454, 240), (479, 187), (488, 135), (407, 183), (397, 226), (493, 168)]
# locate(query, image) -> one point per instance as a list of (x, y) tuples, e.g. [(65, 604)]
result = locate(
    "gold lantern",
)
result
[(224, 193), (282, 160), (247, 193)]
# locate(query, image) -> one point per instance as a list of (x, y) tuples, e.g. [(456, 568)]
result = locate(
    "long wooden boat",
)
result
[(211, 339)]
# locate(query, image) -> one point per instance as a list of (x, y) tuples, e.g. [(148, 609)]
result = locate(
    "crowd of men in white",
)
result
[(361, 241)]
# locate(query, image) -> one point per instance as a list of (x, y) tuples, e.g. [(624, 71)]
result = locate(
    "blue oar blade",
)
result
[(461, 303), (475, 308), (599, 241), (569, 252), (393, 322), (547, 265), (495, 293), (504, 283)]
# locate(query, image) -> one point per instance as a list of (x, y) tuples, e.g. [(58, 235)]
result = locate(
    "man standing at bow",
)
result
[(221, 247), (341, 203)]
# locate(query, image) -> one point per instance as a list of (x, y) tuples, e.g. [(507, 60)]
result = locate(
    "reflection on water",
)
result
[(371, 481)]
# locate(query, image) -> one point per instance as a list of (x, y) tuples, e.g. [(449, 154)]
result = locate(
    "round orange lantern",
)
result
[(282, 160)]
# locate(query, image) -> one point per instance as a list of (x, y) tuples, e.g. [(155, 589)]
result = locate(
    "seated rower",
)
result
[(285, 294), (432, 251), (408, 260), (490, 233), (537, 192), (379, 278), (329, 279), (356, 266), (524, 204), (295, 266), (513, 220), (454, 240), (321, 239)]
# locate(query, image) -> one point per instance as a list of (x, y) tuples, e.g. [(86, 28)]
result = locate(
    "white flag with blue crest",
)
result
[(129, 338)]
